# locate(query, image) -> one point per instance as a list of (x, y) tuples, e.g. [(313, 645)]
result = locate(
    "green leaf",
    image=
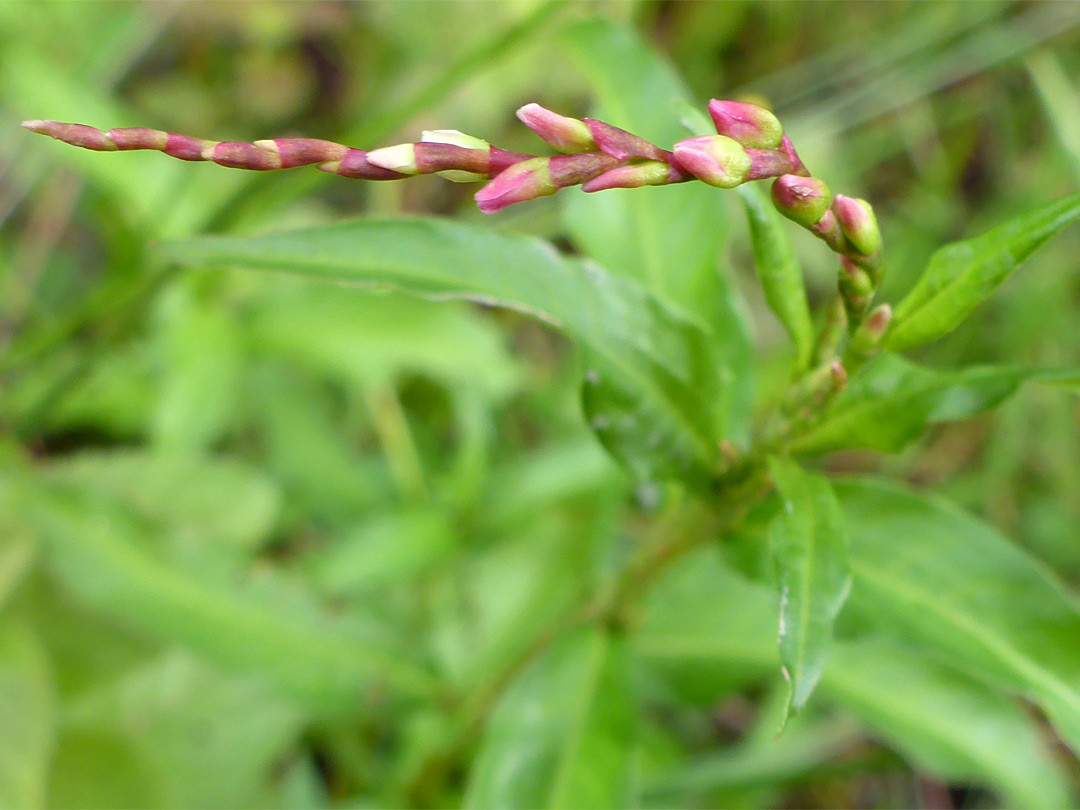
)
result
[(664, 369), (945, 722), (101, 555), (809, 541), (961, 275), (562, 735), (968, 593), (892, 400), (667, 237), (779, 271), (209, 739), (703, 623), (27, 718)]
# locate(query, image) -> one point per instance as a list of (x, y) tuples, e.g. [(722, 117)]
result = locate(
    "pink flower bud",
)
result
[(354, 164), (522, 181), (804, 200), (752, 126), (714, 159), (564, 134), (858, 223), (293, 152)]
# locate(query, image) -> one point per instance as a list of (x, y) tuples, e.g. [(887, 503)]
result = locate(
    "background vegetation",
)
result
[(294, 544)]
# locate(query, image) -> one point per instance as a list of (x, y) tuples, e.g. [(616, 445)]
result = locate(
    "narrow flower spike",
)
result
[(804, 200), (714, 159), (858, 223), (752, 126), (565, 134)]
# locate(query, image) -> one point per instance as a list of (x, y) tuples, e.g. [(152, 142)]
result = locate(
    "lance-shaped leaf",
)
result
[(809, 543), (663, 365), (963, 590), (563, 734), (100, 553), (703, 625), (893, 400), (779, 271), (27, 717), (961, 275)]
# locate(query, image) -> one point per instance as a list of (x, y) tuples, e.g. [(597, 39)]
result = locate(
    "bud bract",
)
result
[(801, 199), (400, 158), (714, 159), (858, 223), (633, 175), (870, 332), (752, 126), (565, 134)]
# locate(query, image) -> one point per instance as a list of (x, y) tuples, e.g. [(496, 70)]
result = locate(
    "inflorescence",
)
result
[(750, 144)]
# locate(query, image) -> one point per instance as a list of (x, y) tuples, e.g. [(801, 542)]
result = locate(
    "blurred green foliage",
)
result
[(269, 542)]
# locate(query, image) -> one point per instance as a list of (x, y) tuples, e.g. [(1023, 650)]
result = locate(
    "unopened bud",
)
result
[(858, 223), (868, 336), (828, 229), (839, 376), (293, 152), (74, 134), (714, 159), (634, 175), (474, 150), (522, 181), (565, 134), (804, 200), (854, 280), (752, 126)]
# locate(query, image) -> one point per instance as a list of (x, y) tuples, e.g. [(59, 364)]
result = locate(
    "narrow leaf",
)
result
[(662, 364), (562, 736), (809, 542), (893, 400), (963, 274), (965, 591), (100, 553), (703, 623), (27, 717), (779, 271)]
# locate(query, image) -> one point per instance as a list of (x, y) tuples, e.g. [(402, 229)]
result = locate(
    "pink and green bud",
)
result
[(622, 144), (828, 229), (474, 150), (858, 223), (752, 126), (523, 181), (714, 159), (400, 158), (632, 175), (565, 134), (854, 281), (867, 337), (541, 177), (804, 200)]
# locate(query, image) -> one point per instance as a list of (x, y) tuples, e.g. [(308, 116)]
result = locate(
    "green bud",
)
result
[(714, 159), (859, 224)]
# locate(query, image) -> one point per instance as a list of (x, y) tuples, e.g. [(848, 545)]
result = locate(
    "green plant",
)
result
[(943, 619)]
